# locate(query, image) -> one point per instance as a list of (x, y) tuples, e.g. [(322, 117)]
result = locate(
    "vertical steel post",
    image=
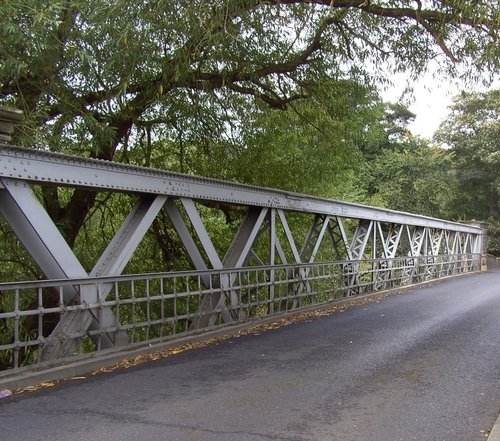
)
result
[(272, 253)]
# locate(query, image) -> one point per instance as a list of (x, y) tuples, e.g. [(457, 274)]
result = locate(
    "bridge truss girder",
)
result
[(342, 231)]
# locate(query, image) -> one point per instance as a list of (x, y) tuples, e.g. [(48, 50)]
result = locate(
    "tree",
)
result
[(93, 76), (390, 130), (416, 178), (312, 146), (472, 131)]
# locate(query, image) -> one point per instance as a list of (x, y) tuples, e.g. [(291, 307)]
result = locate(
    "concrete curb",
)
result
[(88, 364), (495, 431)]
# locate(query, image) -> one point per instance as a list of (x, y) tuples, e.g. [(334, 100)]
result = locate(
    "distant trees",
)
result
[(416, 178), (472, 131)]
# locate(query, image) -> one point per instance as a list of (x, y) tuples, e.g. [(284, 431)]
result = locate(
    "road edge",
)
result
[(495, 431)]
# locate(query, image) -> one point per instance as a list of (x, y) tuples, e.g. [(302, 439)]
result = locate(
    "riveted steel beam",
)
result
[(338, 238), (31, 223), (119, 251), (235, 257), (361, 237), (289, 236), (210, 302), (35, 229), (390, 242), (272, 256), (49, 168), (112, 262)]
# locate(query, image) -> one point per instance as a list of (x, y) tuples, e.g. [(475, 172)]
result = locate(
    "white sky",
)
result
[(431, 97)]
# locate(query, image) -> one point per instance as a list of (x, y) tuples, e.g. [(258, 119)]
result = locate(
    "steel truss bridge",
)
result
[(269, 268)]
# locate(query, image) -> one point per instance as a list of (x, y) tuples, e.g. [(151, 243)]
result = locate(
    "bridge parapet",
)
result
[(349, 249), (9, 117)]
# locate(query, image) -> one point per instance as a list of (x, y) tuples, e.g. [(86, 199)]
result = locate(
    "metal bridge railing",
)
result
[(53, 322), (156, 307)]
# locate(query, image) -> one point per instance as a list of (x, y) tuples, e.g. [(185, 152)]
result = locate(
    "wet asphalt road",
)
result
[(421, 366)]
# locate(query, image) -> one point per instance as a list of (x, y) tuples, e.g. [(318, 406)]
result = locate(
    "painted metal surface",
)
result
[(347, 250), (64, 170)]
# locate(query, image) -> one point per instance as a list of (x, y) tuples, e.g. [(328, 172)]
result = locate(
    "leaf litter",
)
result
[(253, 330)]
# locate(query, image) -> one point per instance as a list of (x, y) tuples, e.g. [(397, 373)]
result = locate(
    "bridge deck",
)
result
[(422, 366)]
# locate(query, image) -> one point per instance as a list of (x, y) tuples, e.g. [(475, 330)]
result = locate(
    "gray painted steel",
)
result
[(63, 170), (158, 307), (8, 118)]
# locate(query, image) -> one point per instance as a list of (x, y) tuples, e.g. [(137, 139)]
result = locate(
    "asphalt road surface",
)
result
[(422, 366)]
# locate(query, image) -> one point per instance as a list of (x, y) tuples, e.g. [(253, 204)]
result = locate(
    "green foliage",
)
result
[(472, 131), (388, 131), (493, 245), (309, 148), (416, 179)]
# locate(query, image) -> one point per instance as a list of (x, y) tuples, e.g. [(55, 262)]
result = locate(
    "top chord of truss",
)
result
[(50, 168)]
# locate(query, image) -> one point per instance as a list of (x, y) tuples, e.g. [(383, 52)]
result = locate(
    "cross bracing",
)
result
[(269, 267)]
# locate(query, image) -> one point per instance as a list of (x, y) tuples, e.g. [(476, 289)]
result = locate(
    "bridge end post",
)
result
[(483, 243), (9, 117)]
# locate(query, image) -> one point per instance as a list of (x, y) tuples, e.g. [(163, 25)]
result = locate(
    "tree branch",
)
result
[(276, 102), (418, 14), (439, 40)]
